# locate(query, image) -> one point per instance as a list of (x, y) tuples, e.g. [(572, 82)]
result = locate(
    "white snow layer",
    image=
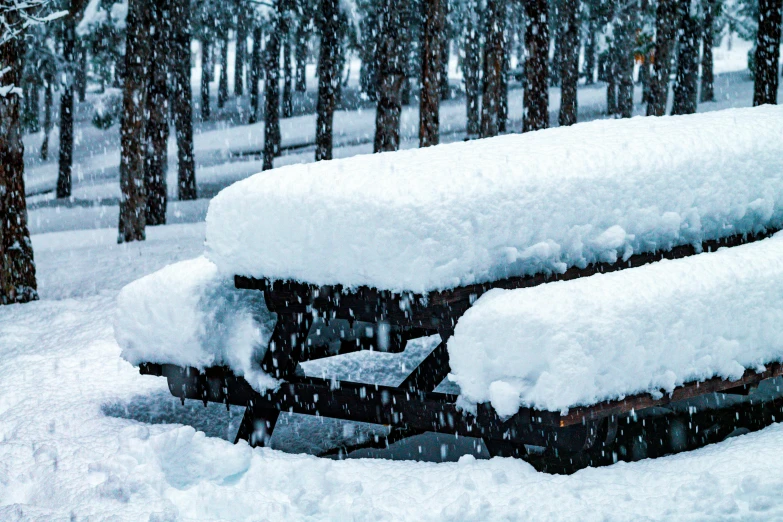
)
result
[(445, 216), (186, 314), (648, 329)]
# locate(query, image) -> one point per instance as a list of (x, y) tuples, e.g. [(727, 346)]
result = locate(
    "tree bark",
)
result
[(328, 78), (765, 89), (66, 103), (272, 89), (429, 98), (300, 55), (644, 80), (133, 201), (241, 49), (182, 99), (81, 70), (589, 64), (569, 61), (471, 67), (17, 266), (611, 88), (707, 74), (665, 28), (48, 78), (206, 78), (557, 40), (503, 85), (255, 72), (30, 121), (624, 58), (536, 112), (288, 76), (157, 131), (686, 82), (391, 63), (223, 80), (493, 67), (445, 49)]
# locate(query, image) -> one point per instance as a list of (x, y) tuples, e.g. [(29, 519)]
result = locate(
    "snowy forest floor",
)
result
[(84, 437), (226, 153)]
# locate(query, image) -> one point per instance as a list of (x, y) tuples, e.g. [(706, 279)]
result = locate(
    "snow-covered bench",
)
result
[(401, 245)]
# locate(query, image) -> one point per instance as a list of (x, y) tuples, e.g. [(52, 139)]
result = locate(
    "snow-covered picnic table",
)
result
[(405, 243)]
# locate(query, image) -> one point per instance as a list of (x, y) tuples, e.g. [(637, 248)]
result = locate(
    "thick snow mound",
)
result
[(648, 329), (456, 214), (187, 314)]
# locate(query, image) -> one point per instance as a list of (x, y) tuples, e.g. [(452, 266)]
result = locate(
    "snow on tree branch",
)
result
[(17, 15)]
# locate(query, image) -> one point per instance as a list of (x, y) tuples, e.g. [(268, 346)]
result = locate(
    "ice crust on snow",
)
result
[(607, 336), (446, 216), (187, 314)]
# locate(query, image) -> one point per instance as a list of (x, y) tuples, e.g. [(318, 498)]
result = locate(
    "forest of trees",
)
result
[(137, 55)]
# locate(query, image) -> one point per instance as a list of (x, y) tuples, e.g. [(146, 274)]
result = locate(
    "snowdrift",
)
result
[(451, 215), (610, 335)]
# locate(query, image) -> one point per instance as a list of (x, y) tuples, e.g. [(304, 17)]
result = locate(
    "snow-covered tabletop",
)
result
[(451, 215)]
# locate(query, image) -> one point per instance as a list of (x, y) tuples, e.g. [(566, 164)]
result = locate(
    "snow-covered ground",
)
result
[(84, 437)]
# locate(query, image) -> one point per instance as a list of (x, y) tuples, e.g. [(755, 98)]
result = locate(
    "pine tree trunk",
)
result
[(66, 104), (471, 67), (429, 99), (554, 67), (241, 49), (611, 89), (569, 61), (391, 62), (445, 48), (206, 78), (536, 112), (411, 52), (157, 131), (493, 67), (288, 77), (589, 64), (519, 31), (645, 77), (17, 267), (328, 78), (301, 56), (48, 104), (368, 53), (272, 90), (624, 59), (445, 89), (503, 85), (223, 80), (182, 99), (707, 74), (765, 89), (255, 72), (31, 103), (81, 70), (686, 82), (665, 30), (133, 201)]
